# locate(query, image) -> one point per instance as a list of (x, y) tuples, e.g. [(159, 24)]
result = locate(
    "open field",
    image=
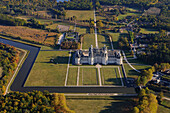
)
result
[(128, 14), (165, 107), (42, 21), (72, 76), (100, 104), (1, 71), (103, 40), (80, 14), (110, 76), (147, 31), (89, 76), (98, 17), (45, 73), (131, 9), (88, 40), (29, 34)]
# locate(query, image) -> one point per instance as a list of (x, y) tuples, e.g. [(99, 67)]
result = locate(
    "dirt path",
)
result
[(95, 29)]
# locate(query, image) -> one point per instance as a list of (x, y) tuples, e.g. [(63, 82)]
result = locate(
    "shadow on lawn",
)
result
[(113, 81), (120, 106), (164, 106), (107, 41)]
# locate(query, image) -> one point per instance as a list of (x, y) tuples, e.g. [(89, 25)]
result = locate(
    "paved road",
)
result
[(129, 63), (18, 84), (61, 38)]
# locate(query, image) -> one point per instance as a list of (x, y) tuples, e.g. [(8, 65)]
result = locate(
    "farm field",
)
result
[(72, 76), (80, 14), (89, 76), (147, 31), (79, 29), (30, 34), (88, 40), (49, 74), (103, 40), (102, 104), (110, 76)]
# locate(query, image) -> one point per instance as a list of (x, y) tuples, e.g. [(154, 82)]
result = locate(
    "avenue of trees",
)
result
[(33, 102), (9, 58)]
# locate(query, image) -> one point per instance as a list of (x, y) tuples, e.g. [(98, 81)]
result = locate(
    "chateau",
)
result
[(95, 56)]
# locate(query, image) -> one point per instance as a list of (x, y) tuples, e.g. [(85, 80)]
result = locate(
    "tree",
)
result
[(132, 52), (142, 93), (97, 4), (160, 97), (135, 110), (99, 23)]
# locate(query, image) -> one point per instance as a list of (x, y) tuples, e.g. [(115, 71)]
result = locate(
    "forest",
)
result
[(157, 50), (35, 101), (9, 58)]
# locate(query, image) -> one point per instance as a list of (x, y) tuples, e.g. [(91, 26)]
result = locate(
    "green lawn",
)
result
[(103, 40), (115, 37), (131, 73), (100, 104), (72, 76), (165, 107), (89, 76), (110, 76), (147, 31), (88, 40), (80, 14), (128, 54), (45, 73)]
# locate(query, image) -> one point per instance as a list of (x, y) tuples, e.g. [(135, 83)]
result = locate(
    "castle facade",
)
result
[(98, 56)]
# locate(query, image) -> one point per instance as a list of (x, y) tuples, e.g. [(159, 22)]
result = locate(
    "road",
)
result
[(129, 63), (60, 39), (16, 70)]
